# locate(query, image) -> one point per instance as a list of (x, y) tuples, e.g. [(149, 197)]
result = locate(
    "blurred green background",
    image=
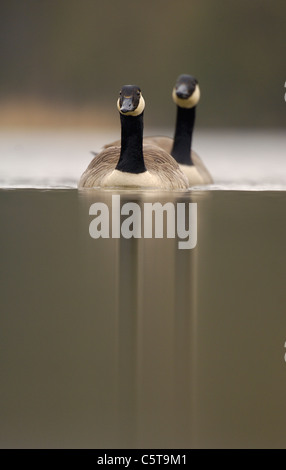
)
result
[(75, 55)]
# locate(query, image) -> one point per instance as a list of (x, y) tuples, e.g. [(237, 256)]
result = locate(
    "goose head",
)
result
[(130, 101), (186, 92)]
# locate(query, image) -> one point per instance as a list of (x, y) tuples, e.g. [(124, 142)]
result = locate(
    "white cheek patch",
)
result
[(189, 102), (140, 108)]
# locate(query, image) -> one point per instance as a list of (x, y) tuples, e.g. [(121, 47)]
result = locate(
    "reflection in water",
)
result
[(155, 314), (134, 343), (127, 354)]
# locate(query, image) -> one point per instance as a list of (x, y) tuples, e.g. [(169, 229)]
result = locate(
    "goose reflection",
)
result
[(154, 320)]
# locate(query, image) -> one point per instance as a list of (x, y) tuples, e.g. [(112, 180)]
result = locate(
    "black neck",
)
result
[(131, 158), (182, 146)]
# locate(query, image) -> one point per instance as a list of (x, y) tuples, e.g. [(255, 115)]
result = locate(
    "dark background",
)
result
[(78, 53)]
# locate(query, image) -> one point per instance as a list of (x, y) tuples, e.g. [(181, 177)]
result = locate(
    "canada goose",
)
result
[(186, 95), (131, 164)]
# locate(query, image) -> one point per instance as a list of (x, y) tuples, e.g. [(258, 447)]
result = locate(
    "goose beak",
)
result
[(127, 105), (183, 92)]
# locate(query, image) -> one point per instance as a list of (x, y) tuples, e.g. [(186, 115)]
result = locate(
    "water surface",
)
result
[(133, 342)]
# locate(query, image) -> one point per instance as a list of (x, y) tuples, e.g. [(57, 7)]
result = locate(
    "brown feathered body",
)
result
[(166, 143), (163, 172)]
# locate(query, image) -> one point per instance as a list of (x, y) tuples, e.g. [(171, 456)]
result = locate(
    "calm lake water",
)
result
[(121, 343)]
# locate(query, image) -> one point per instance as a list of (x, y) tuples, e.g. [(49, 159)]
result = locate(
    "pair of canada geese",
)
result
[(152, 162)]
